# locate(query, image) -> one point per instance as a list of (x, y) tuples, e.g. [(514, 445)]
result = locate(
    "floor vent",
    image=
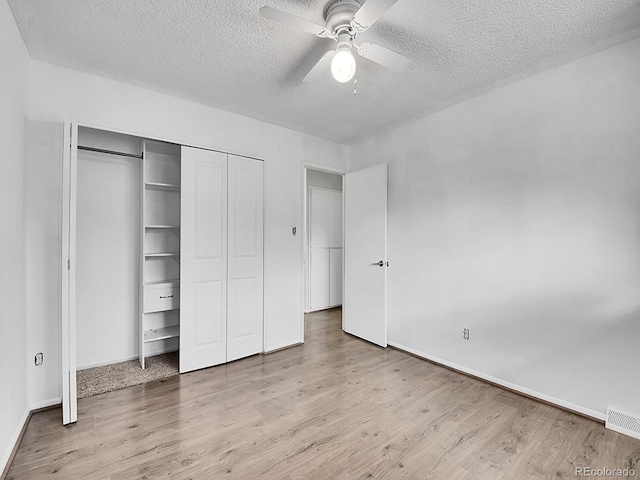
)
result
[(623, 423)]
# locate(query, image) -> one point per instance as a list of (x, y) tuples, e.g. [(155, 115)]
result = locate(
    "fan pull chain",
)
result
[(355, 87)]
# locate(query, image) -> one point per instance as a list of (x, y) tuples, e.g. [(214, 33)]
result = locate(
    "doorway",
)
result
[(363, 248), (323, 252)]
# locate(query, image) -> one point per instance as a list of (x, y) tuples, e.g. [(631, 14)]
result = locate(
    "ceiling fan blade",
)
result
[(294, 21), (369, 13), (383, 56), (319, 68)]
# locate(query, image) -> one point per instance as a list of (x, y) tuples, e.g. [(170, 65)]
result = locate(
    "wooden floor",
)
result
[(334, 408)]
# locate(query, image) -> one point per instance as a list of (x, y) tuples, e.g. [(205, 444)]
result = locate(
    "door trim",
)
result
[(66, 353)]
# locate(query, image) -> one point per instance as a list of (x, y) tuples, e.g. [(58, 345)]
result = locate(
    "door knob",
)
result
[(381, 263)]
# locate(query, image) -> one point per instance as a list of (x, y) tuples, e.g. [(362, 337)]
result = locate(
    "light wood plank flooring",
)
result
[(335, 408)]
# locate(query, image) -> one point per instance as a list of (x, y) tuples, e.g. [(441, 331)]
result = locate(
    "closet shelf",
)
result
[(165, 187), (163, 254), (171, 227), (161, 333), (168, 283)]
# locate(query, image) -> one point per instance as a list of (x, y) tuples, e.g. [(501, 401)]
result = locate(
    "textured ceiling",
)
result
[(224, 54)]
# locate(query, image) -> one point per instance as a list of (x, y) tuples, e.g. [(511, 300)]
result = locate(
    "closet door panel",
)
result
[(209, 322), (245, 295), (319, 273), (244, 316), (203, 275)]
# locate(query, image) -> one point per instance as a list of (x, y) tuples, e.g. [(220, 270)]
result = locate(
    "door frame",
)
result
[(67, 277), (68, 358), (304, 267)]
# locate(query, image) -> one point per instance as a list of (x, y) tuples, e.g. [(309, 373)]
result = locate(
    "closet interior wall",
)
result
[(107, 219)]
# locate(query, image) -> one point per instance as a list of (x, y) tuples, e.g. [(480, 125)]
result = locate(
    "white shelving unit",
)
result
[(164, 187), (161, 333), (160, 249)]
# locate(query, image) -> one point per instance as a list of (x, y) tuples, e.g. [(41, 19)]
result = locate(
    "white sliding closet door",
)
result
[(203, 275), (245, 258)]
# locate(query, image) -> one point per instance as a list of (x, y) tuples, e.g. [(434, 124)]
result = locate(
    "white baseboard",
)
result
[(511, 386), (14, 439), (46, 403), (107, 362)]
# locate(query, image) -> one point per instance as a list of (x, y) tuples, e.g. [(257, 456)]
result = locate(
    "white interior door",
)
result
[(364, 306), (245, 296), (203, 254)]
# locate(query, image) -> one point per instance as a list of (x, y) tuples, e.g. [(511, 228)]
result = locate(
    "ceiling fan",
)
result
[(344, 21)]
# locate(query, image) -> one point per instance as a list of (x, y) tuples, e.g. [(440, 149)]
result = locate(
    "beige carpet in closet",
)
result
[(94, 381)]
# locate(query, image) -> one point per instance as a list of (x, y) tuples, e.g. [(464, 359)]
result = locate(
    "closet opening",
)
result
[(164, 247), (323, 241), (127, 241)]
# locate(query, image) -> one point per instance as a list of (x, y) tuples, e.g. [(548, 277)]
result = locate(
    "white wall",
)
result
[(516, 214), (42, 223), (13, 355), (56, 93)]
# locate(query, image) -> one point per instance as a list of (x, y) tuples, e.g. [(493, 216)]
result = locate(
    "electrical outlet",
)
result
[(465, 334), (39, 359)]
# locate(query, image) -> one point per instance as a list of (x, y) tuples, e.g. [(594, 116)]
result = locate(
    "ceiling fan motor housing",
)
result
[(339, 15), (345, 40)]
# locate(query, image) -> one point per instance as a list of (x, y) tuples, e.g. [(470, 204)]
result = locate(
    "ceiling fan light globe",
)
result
[(343, 66)]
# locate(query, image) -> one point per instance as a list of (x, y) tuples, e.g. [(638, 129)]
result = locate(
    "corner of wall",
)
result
[(13, 332)]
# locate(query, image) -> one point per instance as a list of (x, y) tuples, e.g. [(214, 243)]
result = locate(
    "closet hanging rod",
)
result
[(110, 152)]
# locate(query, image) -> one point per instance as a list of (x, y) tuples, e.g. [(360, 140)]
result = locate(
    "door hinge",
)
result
[(69, 264)]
